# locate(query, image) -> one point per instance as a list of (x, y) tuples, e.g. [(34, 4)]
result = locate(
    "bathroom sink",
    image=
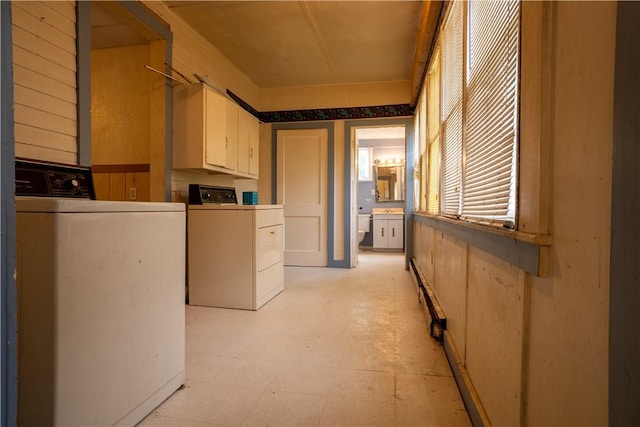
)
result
[(387, 211)]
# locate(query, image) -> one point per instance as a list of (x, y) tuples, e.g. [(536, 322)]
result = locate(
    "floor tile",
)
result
[(338, 347), (305, 379), (278, 408), (249, 373), (211, 403), (428, 391), (356, 384), (356, 411)]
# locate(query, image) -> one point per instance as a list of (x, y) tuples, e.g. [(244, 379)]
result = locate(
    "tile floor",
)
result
[(339, 347)]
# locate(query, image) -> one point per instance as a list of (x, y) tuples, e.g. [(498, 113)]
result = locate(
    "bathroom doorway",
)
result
[(378, 179)]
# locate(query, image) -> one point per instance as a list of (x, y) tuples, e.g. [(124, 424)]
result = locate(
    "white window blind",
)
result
[(433, 125), (424, 161), (451, 108), (491, 116), (417, 165)]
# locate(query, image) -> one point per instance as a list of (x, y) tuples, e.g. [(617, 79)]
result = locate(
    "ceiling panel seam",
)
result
[(316, 34)]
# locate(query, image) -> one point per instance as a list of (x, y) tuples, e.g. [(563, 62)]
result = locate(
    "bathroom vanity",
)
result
[(388, 229)]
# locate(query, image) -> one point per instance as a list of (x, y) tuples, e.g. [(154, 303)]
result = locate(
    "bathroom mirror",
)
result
[(389, 182)]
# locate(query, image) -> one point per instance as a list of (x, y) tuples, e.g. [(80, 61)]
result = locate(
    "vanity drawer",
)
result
[(270, 240)]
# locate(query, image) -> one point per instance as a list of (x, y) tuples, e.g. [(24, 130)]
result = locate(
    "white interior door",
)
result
[(302, 190)]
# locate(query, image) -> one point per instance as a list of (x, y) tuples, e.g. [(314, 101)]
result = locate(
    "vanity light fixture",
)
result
[(389, 162)]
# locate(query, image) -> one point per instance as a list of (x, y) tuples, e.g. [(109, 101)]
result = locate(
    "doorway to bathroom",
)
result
[(378, 182)]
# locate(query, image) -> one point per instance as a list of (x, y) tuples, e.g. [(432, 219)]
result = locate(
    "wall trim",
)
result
[(321, 114), (348, 113), (8, 306), (470, 397), (83, 78), (624, 320), (524, 251), (121, 168)]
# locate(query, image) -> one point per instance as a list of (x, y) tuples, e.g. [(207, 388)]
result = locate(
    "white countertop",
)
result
[(63, 205), (233, 207)]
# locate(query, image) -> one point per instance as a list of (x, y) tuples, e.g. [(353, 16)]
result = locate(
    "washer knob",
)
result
[(70, 184)]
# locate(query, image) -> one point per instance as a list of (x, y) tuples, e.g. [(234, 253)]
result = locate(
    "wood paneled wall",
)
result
[(115, 182), (44, 57)]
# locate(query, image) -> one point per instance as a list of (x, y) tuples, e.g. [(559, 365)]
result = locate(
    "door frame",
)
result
[(350, 174), (329, 126), (155, 23), (8, 307)]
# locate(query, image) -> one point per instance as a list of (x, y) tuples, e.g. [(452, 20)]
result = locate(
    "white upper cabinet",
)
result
[(212, 132), (248, 128)]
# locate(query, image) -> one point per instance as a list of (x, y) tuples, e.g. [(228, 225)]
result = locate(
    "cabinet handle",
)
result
[(382, 231), (226, 142), (272, 233), (251, 152), (393, 232)]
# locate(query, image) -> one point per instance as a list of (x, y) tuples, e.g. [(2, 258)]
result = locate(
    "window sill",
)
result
[(524, 250)]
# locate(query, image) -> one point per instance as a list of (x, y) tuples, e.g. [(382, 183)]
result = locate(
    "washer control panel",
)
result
[(204, 194), (40, 179)]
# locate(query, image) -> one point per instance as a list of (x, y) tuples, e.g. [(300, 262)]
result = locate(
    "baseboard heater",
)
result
[(438, 322)]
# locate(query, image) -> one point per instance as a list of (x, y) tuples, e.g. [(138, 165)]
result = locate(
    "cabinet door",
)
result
[(232, 135), (395, 234), (254, 146), (244, 135), (215, 152), (380, 233)]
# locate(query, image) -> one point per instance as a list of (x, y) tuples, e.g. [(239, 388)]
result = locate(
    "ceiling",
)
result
[(300, 43), (112, 26)]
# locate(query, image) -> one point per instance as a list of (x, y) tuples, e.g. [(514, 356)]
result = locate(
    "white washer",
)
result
[(101, 328)]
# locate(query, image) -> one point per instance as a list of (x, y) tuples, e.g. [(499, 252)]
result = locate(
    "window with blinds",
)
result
[(452, 51), (491, 113), (433, 126), (424, 159), (419, 158), (472, 113)]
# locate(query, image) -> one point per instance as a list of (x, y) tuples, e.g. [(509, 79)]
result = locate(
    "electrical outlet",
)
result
[(132, 193)]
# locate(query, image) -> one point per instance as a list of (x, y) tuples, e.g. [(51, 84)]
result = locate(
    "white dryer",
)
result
[(101, 327), (235, 251)]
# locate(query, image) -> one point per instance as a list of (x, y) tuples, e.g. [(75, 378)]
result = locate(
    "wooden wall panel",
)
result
[(44, 66), (101, 184), (27, 115), (44, 84), (117, 186), (59, 16), (142, 185), (35, 152), (41, 66), (117, 183), (48, 138), (43, 45), (43, 102)]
